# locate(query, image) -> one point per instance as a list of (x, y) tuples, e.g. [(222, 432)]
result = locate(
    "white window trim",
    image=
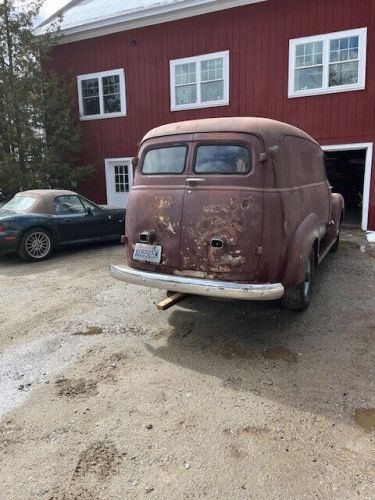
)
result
[(119, 72), (369, 147), (361, 85), (197, 60)]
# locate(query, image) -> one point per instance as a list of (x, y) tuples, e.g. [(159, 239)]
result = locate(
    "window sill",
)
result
[(101, 117), (333, 90), (212, 104)]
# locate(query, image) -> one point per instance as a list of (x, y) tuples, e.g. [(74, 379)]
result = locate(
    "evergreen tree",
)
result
[(39, 129)]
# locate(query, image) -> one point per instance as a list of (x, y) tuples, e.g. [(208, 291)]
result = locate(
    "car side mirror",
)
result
[(89, 211)]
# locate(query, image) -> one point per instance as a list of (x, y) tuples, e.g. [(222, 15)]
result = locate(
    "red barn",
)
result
[(310, 63)]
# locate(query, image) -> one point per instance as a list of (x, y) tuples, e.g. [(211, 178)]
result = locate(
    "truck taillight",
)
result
[(2, 229)]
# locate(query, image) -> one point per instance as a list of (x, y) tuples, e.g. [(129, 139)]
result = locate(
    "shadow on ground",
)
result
[(320, 361)]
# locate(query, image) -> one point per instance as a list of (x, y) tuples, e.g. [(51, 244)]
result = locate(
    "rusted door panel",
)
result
[(157, 210), (227, 208), (234, 218), (155, 204)]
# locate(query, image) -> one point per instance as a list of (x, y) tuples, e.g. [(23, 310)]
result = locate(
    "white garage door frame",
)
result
[(369, 147)]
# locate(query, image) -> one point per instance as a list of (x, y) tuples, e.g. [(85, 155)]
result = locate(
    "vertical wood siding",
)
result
[(257, 37)]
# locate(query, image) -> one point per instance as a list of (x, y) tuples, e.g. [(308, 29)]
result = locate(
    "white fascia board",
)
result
[(148, 17)]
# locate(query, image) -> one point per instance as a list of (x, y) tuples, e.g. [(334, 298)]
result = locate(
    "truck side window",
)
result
[(222, 159), (165, 160)]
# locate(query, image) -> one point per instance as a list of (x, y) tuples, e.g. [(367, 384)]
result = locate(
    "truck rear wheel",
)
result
[(297, 298)]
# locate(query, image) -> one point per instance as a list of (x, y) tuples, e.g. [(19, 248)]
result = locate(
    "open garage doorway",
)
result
[(349, 172)]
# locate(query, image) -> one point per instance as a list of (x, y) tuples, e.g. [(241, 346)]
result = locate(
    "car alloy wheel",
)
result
[(38, 245)]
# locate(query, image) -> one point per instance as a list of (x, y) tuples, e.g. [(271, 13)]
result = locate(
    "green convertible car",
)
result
[(35, 222)]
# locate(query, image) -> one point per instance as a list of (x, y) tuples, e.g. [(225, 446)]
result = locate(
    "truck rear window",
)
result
[(167, 160), (222, 159)]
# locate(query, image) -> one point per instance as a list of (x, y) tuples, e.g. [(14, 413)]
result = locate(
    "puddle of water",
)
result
[(280, 354), (235, 351), (365, 418), (350, 244), (237, 452), (368, 251), (229, 351), (91, 330)]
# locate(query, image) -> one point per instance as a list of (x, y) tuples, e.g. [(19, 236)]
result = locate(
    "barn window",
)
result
[(102, 95), (335, 62), (200, 81)]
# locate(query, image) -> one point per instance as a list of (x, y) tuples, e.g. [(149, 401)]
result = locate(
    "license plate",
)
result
[(147, 253)]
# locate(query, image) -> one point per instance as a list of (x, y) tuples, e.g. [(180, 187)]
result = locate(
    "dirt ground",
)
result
[(102, 396)]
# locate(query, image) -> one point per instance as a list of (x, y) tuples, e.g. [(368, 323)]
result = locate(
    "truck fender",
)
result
[(300, 250), (337, 215)]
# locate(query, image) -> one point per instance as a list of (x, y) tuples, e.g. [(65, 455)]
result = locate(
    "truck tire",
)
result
[(297, 298), (336, 244)]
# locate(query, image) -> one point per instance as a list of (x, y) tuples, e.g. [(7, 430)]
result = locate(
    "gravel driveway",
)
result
[(103, 396)]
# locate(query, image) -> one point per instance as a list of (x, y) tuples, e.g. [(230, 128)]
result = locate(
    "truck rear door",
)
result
[(154, 211), (223, 207)]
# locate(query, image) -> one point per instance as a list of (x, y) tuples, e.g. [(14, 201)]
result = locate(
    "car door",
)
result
[(103, 223), (73, 221)]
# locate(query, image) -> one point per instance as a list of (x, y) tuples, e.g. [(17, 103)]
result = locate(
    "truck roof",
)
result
[(269, 130)]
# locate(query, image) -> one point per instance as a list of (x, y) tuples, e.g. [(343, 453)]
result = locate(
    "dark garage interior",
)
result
[(346, 172)]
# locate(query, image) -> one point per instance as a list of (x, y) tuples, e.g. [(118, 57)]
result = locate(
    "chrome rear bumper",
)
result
[(198, 286)]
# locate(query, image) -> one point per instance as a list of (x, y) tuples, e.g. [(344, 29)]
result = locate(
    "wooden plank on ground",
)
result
[(169, 301)]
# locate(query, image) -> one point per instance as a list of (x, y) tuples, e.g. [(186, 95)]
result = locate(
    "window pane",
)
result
[(90, 87), (212, 69), (90, 96), (335, 44), (65, 205), (300, 50), (212, 91), (309, 54), (344, 43), (353, 54), (343, 74), (111, 94), (309, 78), (111, 84), (334, 57), (300, 61), (344, 49), (186, 94), (121, 179), (91, 106), (185, 73), (112, 103), (222, 159), (165, 160), (354, 42)]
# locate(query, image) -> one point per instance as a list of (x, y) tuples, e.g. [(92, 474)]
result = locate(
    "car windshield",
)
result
[(20, 203)]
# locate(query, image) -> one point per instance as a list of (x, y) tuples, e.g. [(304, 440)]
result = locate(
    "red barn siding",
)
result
[(257, 37)]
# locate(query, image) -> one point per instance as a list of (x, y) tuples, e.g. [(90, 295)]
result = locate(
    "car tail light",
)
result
[(2, 229)]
